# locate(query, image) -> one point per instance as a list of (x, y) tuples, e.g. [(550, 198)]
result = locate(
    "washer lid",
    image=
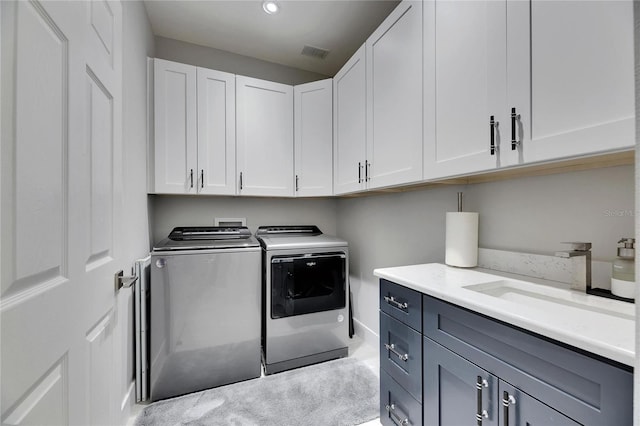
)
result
[(296, 237), (207, 237)]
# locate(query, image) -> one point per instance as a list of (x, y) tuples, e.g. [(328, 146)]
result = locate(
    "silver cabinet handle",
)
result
[(514, 119), (366, 171), (392, 348), (202, 178), (240, 180), (492, 130), (392, 301), (191, 178), (507, 400), (480, 413), (397, 419), (359, 172)]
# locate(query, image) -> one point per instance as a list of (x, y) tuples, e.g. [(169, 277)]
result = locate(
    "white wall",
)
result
[(390, 230), (536, 214), (531, 214), (207, 57), (171, 211), (138, 44)]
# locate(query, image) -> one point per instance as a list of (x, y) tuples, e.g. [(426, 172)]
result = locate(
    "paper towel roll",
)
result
[(461, 239)]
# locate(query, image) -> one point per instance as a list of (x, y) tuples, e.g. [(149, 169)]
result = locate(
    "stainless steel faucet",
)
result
[(580, 255)]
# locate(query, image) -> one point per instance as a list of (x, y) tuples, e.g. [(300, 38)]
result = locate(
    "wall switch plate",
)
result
[(230, 221)]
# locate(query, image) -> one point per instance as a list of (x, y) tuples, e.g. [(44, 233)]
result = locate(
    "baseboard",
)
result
[(369, 336)]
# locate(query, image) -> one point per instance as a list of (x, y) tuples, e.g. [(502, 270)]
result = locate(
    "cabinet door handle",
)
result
[(297, 186), (241, 181), (480, 413), (392, 349), (492, 130), (202, 178), (507, 400), (191, 178), (359, 172), (366, 171), (515, 118), (392, 301), (399, 420)]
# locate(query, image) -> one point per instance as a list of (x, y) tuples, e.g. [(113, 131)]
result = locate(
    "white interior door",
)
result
[(61, 191)]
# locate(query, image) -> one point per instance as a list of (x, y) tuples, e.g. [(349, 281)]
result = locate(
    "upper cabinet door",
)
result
[(349, 125), (394, 98), (264, 130), (570, 66), (175, 127), (313, 133), (465, 86), (216, 132)]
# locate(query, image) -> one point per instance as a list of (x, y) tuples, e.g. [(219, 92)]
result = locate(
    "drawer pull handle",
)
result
[(397, 419), (392, 348), (392, 301), (507, 400), (480, 413)]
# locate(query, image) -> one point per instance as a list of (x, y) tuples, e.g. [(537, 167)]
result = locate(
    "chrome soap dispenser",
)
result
[(623, 280)]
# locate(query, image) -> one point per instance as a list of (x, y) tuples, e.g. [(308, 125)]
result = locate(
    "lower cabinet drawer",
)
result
[(397, 406), (401, 354)]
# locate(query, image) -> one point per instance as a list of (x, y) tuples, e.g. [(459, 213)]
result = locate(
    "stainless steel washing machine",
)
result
[(305, 297), (205, 293)]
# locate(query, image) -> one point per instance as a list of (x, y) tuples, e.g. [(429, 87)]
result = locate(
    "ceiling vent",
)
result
[(314, 52)]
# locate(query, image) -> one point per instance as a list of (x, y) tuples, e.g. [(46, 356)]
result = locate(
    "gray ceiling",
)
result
[(242, 27)]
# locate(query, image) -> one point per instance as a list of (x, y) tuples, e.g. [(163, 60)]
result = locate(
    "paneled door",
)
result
[(571, 81), (264, 131), (61, 199), (394, 98), (464, 87)]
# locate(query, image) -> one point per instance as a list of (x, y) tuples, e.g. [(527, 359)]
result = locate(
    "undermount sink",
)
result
[(550, 299)]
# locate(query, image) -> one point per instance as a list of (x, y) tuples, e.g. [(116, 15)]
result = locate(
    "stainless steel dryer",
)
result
[(305, 299), (205, 310)]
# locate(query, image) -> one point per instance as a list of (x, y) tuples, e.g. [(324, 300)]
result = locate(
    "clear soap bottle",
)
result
[(623, 280)]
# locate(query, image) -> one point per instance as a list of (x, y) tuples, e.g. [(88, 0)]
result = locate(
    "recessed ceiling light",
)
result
[(270, 7)]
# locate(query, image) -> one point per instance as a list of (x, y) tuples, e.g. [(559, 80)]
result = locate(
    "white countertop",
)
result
[(605, 328)]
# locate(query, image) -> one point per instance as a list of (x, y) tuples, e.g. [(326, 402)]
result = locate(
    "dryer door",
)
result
[(302, 284)]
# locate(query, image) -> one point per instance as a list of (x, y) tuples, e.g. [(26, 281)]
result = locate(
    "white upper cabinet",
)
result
[(194, 146), (175, 128), (216, 132), (264, 131), (313, 135), (349, 125), (556, 77), (465, 87), (394, 98), (570, 74)]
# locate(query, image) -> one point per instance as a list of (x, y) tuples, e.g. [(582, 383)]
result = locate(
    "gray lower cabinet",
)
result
[(400, 355), (397, 406), (518, 408), (458, 392), (476, 370)]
